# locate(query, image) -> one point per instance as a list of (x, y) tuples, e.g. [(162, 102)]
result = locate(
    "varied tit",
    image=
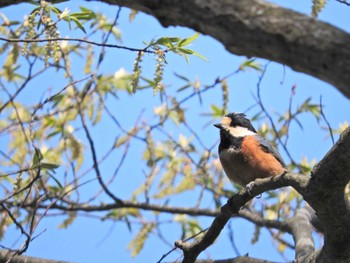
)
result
[(244, 154)]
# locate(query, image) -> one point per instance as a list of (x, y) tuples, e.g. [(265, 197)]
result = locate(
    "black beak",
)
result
[(219, 126)]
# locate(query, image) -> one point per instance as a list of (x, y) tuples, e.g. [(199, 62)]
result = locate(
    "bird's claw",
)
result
[(249, 187)]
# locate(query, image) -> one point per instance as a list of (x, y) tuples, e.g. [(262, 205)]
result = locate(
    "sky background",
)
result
[(89, 240)]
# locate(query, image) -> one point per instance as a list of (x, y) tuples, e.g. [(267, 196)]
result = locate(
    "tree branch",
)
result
[(6, 254), (302, 233), (255, 28), (326, 195), (243, 259)]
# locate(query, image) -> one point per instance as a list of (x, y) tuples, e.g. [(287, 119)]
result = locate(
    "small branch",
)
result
[(325, 119), (174, 248), (232, 240), (74, 207), (343, 2), (30, 77), (94, 157), (260, 103), (242, 259), (302, 233), (15, 40)]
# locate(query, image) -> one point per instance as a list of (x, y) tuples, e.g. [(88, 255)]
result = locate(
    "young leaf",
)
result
[(138, 242), (68, 221), (250, 63), (181, 77), (49, 166), (317, 6), (37, 157), (165, 41), (199, 55), (77, 22), (57, 181), (217, 111), (188, 40)]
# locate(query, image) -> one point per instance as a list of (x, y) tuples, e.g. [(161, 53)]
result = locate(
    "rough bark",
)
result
[(326, 194), (255, 28), (6, 255)]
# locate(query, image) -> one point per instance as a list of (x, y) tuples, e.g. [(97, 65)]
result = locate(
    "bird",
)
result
[(244, 154)]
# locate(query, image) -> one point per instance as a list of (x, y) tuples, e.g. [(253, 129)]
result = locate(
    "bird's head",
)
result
[(235, 125)]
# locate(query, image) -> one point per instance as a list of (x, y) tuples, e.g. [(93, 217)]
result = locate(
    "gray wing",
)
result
[(268, 148)]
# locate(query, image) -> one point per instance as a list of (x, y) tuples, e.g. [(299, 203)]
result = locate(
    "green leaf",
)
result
[(77, 22), (315, 110), (199, 55), (37, 158), (165, 41), (132, 15), (138, 242), (184, 87), (181, 77), (57, 181), (67, 222), (250, 63), (49, 166), (121, 140), (85, 15), (35, 10), (317, 6), (188, 40), (190, 227), (89, 13), (57, 99), (55, 10), (186, 51), (217, 111)]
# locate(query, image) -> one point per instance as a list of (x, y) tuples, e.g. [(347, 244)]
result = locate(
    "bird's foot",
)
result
[(249, 187)]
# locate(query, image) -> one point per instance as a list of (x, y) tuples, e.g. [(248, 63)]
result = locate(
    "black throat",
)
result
[(227, 141)]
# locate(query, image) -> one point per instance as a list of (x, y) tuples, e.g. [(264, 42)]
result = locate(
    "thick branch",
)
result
[(302, 232), (255, 28), (326, 195), (243, 259), (250, 216), (6, 254)]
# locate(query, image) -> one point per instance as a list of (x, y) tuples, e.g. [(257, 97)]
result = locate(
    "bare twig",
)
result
[(327, 122), (14, 40), (185, 240), (94, 157), (269, 116), (345, 2)]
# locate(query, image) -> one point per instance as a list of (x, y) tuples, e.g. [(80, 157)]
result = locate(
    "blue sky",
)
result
[(88, 239)]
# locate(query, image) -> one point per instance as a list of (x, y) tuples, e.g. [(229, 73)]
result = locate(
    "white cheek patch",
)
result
[(240, 131)]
